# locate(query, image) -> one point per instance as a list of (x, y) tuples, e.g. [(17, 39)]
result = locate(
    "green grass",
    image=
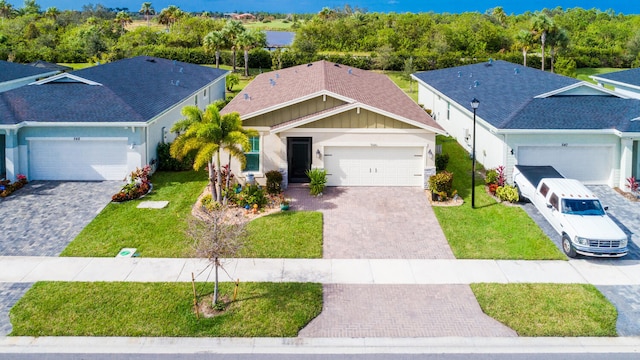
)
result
[(275, 25), (409, 87), (491, 230), (584, 73), (77, 66), (548, 309), (287, 234), (154, 232), (163, 309)]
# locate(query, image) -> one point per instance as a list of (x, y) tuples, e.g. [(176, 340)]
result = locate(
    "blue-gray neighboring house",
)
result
[(530, 117), (102, 122), (13, 75)]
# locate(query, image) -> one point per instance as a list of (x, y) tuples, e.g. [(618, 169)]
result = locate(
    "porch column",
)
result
[(626, 162), (12, 155)]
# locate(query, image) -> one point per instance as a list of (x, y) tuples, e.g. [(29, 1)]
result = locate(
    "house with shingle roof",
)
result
[(626, 82), (530, 117), (102, 122), (13, 75), (356, 124)]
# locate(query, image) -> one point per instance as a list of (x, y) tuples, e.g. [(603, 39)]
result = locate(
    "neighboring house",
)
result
[(356, 124), (14, 75), (530, 117), (101, 122), (626, 82), (51, 66)]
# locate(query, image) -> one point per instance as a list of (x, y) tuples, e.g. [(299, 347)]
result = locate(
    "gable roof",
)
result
[(278, 89), (516, 97), (12, 71), (50, 66), (631, 77), (130, 90)]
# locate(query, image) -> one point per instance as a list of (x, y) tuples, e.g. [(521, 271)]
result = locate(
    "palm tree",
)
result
[(540, 26), (247, 41), (558, 38), (147, 10), (168, 16), (207, 133), (30, 7), (6, 10), (231, 30), (123, 19), (52, 12), (524, 39), (214, 41)]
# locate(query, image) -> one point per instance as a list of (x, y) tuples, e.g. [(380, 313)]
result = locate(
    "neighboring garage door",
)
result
[(374, 166), (84, 159), (589, 164)]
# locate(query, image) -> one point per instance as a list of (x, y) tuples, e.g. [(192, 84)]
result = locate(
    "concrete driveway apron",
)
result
[(388, 223)]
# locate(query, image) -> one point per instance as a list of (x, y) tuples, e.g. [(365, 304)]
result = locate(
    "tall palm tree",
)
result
[(147, 10), (557, 39), (247, 41), (231, 30), (168, 16), (52, 12), (207, 133), (30, 7), (524, 39), (123, 19), (540, 26), (214, 41)]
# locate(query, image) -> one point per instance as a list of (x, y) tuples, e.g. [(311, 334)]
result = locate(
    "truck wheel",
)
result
[(567, 247), (520, 197)]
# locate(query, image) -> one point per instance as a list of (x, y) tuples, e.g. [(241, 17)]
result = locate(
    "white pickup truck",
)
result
[(573, 211)]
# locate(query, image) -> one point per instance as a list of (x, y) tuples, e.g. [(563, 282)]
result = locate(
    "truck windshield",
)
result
[(582, 207)]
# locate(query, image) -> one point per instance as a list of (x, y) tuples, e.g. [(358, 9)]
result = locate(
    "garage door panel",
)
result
[(374, 166), (589, 164), (77, 160)]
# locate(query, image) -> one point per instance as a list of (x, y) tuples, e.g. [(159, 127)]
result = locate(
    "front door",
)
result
[(298, 158)]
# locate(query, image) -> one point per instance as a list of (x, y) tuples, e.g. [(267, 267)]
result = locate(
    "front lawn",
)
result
[(548, 309), (287, 234), (154, 232), (491, 230), (163, 309)]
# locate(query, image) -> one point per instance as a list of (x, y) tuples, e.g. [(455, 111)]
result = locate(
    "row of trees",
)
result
[(570, 38)]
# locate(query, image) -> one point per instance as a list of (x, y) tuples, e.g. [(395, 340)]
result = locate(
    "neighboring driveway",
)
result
[(388, 223), (43, 217), (376, 223)]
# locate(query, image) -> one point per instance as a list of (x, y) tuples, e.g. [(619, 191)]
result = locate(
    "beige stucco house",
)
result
[(356, 124)]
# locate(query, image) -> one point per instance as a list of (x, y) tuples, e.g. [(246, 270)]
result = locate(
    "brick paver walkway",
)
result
[(376, 223), (402, 311)]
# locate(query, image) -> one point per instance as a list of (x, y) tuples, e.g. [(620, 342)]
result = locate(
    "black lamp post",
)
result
[(474, 105)]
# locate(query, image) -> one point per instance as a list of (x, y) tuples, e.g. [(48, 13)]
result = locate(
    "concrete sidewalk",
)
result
[(447, 345), (326, 271)]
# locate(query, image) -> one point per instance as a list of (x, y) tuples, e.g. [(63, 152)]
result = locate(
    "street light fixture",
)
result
[(474, 105)]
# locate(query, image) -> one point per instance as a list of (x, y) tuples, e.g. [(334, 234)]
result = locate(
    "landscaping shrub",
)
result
[(137, 187), (442, 160), (251, 195), (274, 182), (507, 193), (318, 180), (168, 163), (491, 177), (7, 187), (442, 184)]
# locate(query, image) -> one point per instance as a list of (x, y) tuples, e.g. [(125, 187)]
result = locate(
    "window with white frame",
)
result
[(253, 156)]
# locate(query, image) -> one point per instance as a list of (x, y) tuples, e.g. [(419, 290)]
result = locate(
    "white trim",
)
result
[(66, 75), (578, 85), (26, 78), (614, 83), (337, 110), (82, 138), (561, 131), (260, 157), (81, 124), (295, 101), (356, 130)]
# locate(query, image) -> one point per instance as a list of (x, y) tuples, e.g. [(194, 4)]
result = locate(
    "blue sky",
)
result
[(310, 6)]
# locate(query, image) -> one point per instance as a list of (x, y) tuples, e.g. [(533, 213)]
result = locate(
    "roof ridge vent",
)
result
[(336, 65), (151, 60), (309, 64), (247, 97)]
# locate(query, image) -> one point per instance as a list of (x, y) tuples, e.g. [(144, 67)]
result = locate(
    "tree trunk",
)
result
[(234, 58), (246, 62), (215, 282), (544, 38), (218, 179), (524, 56), (552, 53), (217, 59), (212, 180)]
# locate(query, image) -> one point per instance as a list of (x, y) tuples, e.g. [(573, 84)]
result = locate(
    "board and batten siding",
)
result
[(358, 119), (293, 112)]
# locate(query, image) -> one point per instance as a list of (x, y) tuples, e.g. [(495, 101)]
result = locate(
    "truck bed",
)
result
[(536, 173)]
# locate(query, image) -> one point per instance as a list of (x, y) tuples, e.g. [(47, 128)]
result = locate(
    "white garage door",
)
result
[(84, 159), (589, 164), (374, 166)]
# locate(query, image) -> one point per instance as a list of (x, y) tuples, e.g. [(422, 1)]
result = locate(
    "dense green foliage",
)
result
[(576, 37)]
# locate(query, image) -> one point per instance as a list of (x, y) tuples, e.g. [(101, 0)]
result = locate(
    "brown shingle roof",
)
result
[(276, 89)]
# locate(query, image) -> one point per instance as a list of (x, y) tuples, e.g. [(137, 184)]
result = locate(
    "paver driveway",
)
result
[(43, 217), (389, 223)]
